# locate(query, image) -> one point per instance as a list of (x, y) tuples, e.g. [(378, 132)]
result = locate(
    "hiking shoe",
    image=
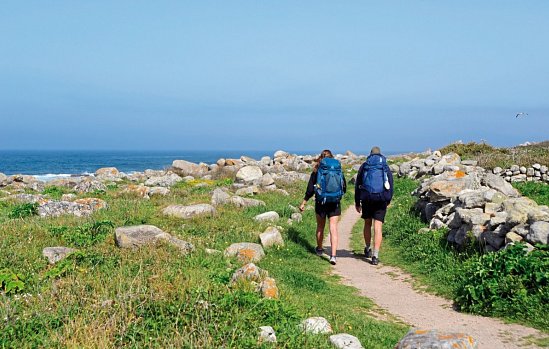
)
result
[(319, 251), (367, 252), (333, 260), (375, 260)]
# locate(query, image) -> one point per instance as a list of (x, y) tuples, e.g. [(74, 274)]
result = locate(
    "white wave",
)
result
[(51, 176)]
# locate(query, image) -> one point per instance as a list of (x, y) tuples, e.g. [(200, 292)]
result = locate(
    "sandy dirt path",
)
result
[(390, 288)]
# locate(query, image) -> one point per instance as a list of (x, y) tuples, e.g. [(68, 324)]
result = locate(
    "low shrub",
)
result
[(511, 283), (84, 235), (11, 282), (23, 210)]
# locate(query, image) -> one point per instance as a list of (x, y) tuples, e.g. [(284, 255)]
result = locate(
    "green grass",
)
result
[(103, 296), (507, 284), (539, 192), (490, 157)]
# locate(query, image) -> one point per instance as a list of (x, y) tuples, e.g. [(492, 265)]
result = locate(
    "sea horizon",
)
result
[(50, 164)]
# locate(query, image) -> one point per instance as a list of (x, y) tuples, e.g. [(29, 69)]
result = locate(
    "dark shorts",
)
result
[(375, 210), (329, 209)]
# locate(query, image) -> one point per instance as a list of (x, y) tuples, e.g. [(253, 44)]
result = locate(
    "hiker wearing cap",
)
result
[(327, 184), (373, 193)]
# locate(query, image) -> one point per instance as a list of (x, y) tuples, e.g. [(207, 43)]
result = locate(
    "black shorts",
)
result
[(329, 209), (374, 209)]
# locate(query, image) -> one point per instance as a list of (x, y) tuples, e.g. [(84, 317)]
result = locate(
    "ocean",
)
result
[(48, 164)]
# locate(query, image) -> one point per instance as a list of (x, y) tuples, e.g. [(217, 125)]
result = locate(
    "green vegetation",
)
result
[(10, 282), (103, 296), (55, 192), (539, 192), (490, 157), (23, 210), (509, 284)]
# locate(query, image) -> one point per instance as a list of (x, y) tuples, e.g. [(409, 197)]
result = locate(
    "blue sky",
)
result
[(257, 75)]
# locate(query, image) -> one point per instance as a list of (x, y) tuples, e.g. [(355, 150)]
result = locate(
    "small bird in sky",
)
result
[(520, 114)]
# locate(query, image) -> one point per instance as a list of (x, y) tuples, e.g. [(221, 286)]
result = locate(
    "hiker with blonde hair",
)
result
[(327, 184)]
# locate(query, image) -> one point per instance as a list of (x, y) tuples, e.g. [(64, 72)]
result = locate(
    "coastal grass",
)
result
[(539, 192), (509, 284), (490, 157), (103, 296)]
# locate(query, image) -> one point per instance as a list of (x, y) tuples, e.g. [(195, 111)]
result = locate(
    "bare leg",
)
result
[(378, 225), (367, 231), (334, 234), (320, 223)]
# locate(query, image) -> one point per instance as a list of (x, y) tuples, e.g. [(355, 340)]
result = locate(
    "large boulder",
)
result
[(141, 235), (517, 210), (271, 237), (107, 173), (187, 212), (79, 208), (187, 168), (539, 233), (220, 197), (248, 272), (433, 339), (249, 174), (500, 184), (448, 185)]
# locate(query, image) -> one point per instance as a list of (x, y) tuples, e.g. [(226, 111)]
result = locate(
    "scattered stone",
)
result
[(267, 335), (267, 180), (188, 212), (161, 191), (55, 254), (220, 197), (316, 325), (141, 235), (296, 217), (245, 252), (249, 174), (271, 237), (239, 201), (212, 251), (252, 190), (270, 216), (79, 208), (433, 339), (539, 233), (90, 185), (186, 168), (136, 189), (166, 181), (345, 341), (269, 289), (249, 272)]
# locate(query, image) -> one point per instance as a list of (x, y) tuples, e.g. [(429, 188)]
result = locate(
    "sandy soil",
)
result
[(391, 289)]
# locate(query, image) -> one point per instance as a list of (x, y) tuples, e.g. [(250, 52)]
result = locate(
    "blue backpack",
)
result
[(375, 177), (329, 181)]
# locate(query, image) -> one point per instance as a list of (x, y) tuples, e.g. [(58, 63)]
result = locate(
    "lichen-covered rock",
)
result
[(79, 208), (159, 191), (345, 341), (55, 254), (163, 181), (186, 168), (90, 185), (251, 190), (139, 190), (249, 272), (107, 173), (269, 289), (270, 216), (271, 237), (316, 325), (517, 210), (245, 252), (188, 212), (433, 339)]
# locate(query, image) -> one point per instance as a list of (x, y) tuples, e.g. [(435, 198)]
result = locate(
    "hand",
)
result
[(302, 207), (358, 208)]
